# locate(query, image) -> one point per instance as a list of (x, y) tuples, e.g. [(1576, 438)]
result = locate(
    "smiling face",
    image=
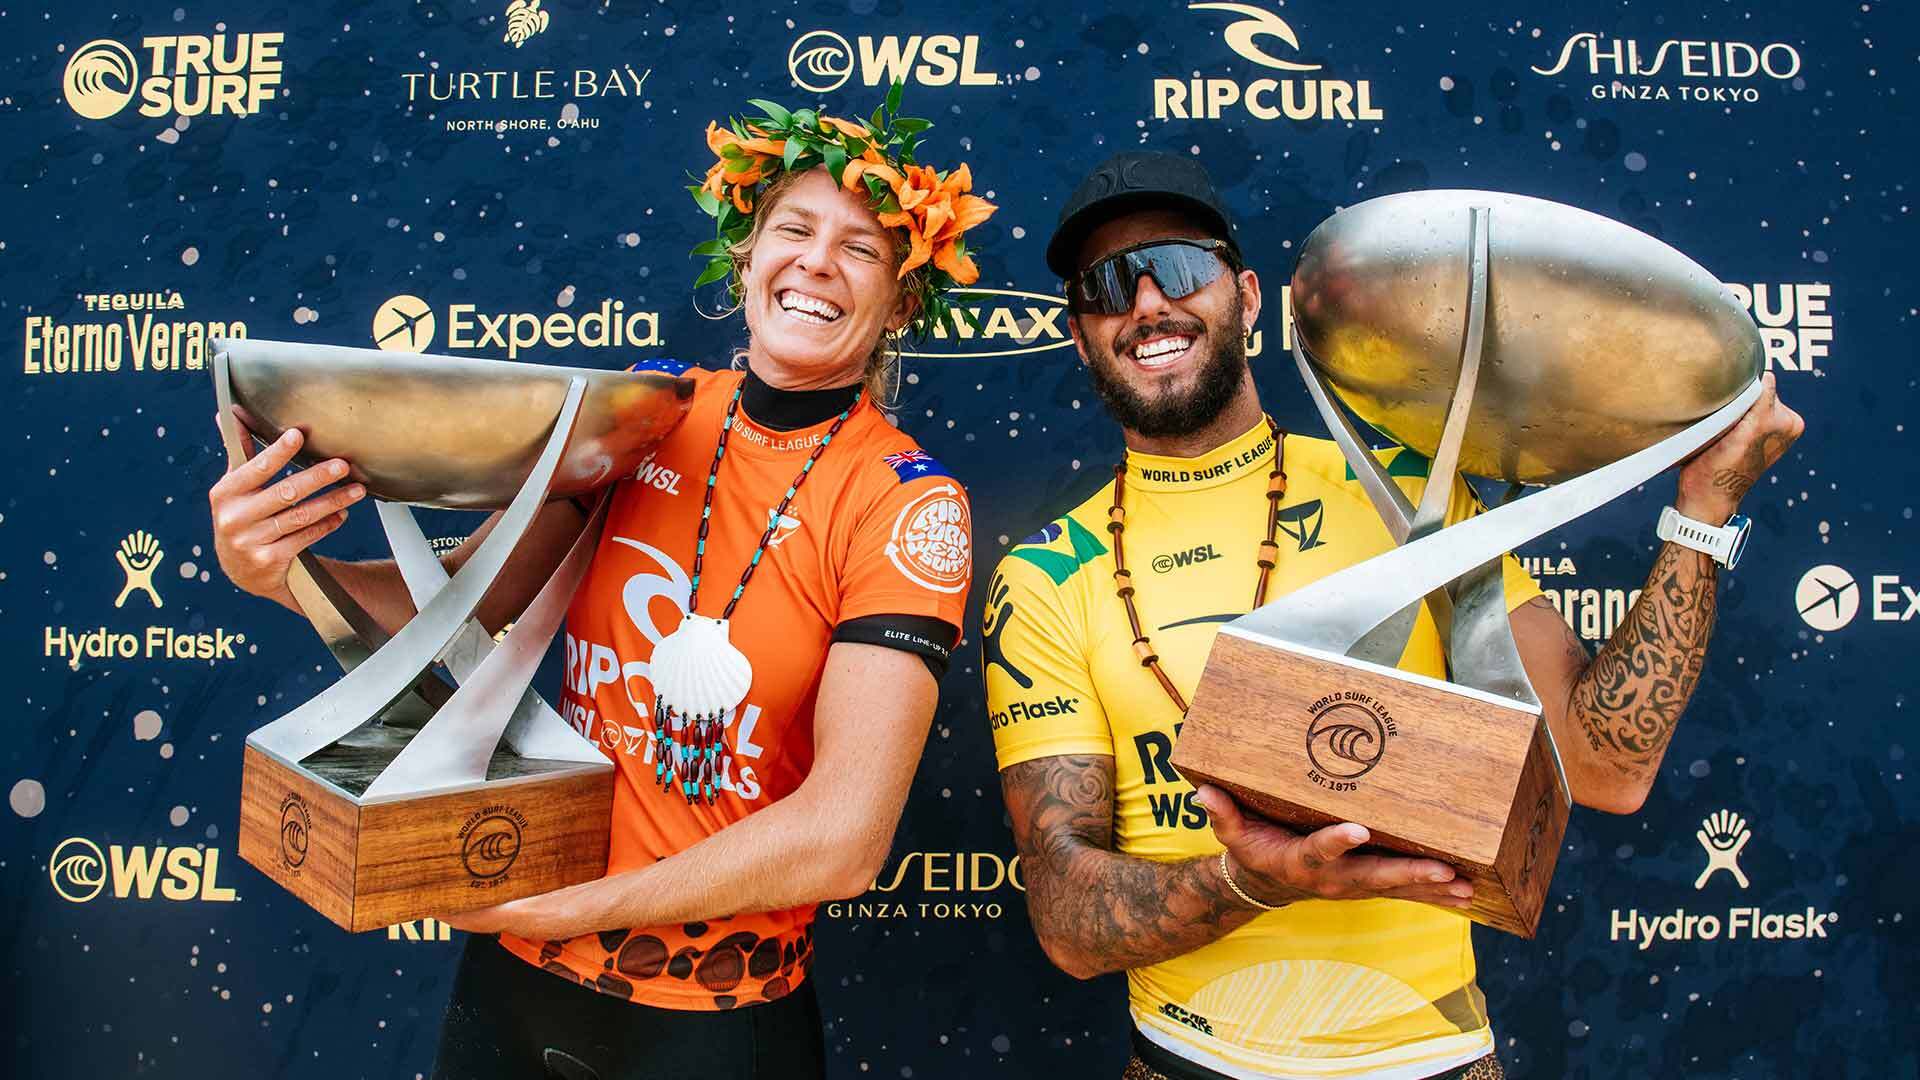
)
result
[(1167, 367), (819, 285)]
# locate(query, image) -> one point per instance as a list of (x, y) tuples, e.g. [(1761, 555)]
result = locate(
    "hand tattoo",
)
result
[(1093, 909), (1630, 697)]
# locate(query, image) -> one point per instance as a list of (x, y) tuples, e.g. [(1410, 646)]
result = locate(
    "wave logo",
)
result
[(820, 61), (490, 844), (296, 826), (996, 322), (100, 79), (1243, 37), (1346, 738), (524, 20), (78, 870), (1827, 598)]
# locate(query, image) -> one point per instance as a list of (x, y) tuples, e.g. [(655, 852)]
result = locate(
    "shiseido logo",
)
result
[(1629, 70), (1346, 738)]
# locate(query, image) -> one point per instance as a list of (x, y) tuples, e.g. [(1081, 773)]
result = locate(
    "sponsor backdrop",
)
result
[(501, 179)]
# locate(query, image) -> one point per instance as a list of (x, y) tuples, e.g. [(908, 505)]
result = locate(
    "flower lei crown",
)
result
[(931, 209)]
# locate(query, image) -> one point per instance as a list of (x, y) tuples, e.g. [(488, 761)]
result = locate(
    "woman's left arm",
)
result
[(825, 841)]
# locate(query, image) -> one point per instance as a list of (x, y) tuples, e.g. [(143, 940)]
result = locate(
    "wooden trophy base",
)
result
[(532, 826), (1430, 768)]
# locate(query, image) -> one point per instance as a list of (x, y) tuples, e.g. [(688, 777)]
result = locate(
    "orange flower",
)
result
[(935, 213), (846, 127)]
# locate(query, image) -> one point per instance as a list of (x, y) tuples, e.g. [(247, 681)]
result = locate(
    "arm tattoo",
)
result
[(1735, 480), (1095, 910), (1628, 699)]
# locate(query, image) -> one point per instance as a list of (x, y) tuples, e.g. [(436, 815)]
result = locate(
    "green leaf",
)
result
[(792, 154), (715, 247), (893, 96), (911, 125), (779, 114), (706, 200), (715, 270), (732, 152), (876, 187), (807, 118), (855, 147), (877, 122), (836, 159)]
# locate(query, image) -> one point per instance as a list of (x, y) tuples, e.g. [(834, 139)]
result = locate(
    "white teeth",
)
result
[(806, 308), (1161, 351)]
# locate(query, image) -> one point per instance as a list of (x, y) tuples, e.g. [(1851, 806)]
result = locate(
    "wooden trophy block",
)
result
[(1430, 768), (532, 826)]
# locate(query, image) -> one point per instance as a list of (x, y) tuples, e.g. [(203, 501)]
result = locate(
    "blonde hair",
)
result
[(882, 371)]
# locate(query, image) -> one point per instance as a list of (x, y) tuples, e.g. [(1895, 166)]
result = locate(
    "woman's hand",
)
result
[(259, 525)]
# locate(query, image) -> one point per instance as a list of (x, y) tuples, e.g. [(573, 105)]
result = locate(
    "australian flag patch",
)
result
[(914, 464), (671, 367)]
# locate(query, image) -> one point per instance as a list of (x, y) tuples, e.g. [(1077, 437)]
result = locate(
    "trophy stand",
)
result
[(394, 794), (1301, 714)]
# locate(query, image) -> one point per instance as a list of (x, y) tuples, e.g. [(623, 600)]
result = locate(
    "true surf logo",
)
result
[(186, 75)]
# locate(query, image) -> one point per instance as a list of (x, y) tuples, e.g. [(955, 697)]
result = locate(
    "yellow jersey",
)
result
[(1375, 988)]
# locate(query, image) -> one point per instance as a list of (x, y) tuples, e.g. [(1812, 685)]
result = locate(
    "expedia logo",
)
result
[(1827, 598), (406, 323), (1262, 37), (187, 75), (296, 826), (1346, 738), (821, 61), (490, 842), (1701, 62), (1175, 560), (1004, 322), (80, 872)]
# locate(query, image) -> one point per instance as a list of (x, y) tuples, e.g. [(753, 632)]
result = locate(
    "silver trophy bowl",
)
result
[(454, 432), (1599, 340)]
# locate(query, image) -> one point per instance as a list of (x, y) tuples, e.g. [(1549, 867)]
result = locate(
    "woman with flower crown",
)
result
[(756, 644)]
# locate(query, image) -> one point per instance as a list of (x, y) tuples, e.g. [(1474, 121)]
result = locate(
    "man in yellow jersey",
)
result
[(1291, 956)]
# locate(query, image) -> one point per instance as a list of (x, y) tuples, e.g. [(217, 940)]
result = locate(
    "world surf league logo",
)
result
[(1346, 738), (296, 826), (490, 842)]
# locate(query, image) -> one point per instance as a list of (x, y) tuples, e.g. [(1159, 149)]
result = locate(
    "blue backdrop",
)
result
[(309, 171)]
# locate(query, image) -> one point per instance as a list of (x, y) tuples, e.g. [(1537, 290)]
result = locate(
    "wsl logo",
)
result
[(80, 872), (187, 75), (490, 842), (821, 61), (296, 826), (1346, 738)]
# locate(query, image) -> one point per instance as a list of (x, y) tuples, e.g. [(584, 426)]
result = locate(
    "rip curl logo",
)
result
[(1722, 835), (139, 556), (296, 827), (932, 541), (524, 20), (100, 78), (78, 870), (1346, 738), (490, 842), (1244, 36)]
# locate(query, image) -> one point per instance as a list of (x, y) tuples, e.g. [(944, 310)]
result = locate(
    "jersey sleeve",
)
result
[(911, 553), (1040, 696), (1520, 585)]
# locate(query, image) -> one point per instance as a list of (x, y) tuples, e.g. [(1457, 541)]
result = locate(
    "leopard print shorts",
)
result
[(1487, 1068)]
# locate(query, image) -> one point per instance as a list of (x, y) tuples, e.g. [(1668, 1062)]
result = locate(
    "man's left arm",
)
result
[(1613, 714)]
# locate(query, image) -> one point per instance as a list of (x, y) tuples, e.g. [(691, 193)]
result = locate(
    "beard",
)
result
[(1173, 412)]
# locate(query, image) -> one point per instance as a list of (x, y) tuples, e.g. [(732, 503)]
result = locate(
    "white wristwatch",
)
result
[(1725, 543)]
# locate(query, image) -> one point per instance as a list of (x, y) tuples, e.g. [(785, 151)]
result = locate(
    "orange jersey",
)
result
[(878, 528)]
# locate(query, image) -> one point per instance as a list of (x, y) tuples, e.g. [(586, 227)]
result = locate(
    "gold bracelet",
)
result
[(1238, 891)]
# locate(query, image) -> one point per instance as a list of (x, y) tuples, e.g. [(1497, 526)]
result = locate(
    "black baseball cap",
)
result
[(1135, 180)]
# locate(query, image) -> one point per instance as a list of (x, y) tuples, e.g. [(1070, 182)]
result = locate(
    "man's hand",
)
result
[(1276, 865), (1714, 481)]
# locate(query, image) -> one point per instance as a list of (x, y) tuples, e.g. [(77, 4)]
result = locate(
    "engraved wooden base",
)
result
[(531, 827), (1311, 739)]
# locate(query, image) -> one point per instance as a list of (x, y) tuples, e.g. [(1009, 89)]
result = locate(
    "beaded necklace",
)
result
[(1123, 578), (698, 675)]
